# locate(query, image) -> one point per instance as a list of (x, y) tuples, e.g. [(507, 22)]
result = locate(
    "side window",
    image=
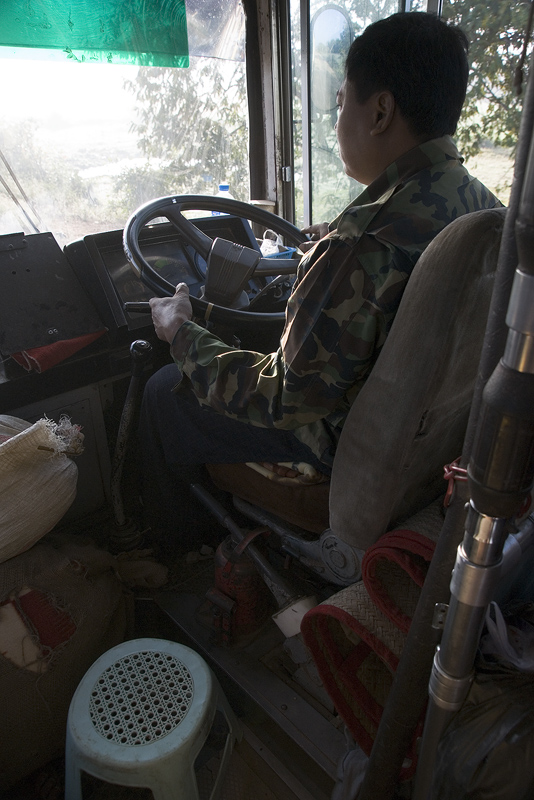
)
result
[(489, 126), (321, 35)]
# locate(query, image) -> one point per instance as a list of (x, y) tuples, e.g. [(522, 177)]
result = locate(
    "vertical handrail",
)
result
[(409, 693)]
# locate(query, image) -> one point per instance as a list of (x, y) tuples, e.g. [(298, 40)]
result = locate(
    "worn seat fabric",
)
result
[(409, 419)]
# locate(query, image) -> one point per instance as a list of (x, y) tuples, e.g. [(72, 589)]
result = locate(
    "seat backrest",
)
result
[(409, 419)]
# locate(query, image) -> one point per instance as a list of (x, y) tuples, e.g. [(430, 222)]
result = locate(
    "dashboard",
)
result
[(102, 268), (49, 296), (53, 299)]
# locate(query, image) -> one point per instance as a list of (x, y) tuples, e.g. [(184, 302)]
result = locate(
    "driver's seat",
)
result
[(408, 421)]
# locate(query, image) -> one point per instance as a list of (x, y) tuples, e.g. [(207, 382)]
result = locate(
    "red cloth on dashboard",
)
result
[(43, 358)]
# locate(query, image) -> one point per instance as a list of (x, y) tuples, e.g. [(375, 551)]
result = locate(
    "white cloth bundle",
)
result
[(37, 479)]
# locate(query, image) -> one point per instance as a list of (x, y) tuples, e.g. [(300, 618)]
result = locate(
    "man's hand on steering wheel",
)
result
[(315, 232), (169, 313)]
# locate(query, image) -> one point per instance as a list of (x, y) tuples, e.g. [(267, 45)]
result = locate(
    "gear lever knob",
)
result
[(140, 352)]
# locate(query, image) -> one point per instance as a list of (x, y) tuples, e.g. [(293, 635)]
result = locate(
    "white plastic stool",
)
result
[(140, 717)]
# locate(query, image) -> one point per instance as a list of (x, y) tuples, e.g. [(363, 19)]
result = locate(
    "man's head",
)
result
[(405, 83), (422, 61)]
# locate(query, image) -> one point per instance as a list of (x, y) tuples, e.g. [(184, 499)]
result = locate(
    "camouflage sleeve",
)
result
[(335, 320)]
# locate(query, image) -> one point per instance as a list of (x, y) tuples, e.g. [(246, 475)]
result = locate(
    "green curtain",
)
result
[(142, 32)]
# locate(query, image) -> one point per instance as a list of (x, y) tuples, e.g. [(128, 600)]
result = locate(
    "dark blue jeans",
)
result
[(177, 437)]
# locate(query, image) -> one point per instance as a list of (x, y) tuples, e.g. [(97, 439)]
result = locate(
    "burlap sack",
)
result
[(61, 606), (37, 480)]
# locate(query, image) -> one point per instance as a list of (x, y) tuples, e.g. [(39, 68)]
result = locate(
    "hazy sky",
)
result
[(42, 89)]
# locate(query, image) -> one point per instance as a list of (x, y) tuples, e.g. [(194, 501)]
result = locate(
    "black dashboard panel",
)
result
[(41, 300), (48, 295), (102, 268)]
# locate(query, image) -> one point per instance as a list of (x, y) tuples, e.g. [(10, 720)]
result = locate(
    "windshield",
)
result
[(83, 144)]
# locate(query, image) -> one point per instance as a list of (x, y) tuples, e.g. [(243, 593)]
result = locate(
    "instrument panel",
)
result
[(102, 268)]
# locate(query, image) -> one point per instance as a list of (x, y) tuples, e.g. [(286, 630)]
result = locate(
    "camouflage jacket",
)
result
[(347, 291)]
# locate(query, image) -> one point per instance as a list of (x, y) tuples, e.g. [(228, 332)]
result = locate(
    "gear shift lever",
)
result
[(126, 535)]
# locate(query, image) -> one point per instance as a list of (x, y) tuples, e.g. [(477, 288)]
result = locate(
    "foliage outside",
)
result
[(189, 133), (191, 126), (489, 125), (191, 129), (496, 32), (58, 198)]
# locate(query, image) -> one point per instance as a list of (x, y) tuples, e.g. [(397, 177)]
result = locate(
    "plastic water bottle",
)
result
[(224, 191)]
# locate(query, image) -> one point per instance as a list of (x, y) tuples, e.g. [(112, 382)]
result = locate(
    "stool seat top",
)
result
[(141, 694), (141, 697)]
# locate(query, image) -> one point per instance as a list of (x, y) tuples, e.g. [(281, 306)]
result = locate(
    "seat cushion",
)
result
[(305, 506)]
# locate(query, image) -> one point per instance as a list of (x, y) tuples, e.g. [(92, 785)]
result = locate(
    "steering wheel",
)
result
[(229, 265)]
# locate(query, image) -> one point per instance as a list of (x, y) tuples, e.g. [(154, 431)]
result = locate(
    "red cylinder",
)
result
[(239, 579)]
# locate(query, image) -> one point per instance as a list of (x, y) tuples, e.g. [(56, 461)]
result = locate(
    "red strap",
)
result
[(453, 472), (398, 549), (239, 548)]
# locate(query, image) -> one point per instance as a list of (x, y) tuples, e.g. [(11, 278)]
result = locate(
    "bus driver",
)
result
[(404, 87)]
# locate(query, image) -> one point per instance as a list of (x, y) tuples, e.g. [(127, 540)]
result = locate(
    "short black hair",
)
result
[(421, 60)]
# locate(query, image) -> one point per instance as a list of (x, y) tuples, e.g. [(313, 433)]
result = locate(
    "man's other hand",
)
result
[(169, 313), (315, 232)]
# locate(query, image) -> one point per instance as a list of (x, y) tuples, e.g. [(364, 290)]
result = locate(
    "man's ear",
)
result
[(384, 109)]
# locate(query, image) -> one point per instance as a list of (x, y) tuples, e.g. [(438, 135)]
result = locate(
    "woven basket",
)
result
[(356, 637)]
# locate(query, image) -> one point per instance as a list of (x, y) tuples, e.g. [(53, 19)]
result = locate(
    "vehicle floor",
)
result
[(252, 775), (265, 764)]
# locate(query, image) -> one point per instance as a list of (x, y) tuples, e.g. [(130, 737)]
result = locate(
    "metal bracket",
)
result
[(440, 616), (12, 241), (287, 174), (328, 556)]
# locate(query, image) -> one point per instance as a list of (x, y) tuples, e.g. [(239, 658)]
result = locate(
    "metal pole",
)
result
[(409, 690), (305, 96), (500, 473)]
